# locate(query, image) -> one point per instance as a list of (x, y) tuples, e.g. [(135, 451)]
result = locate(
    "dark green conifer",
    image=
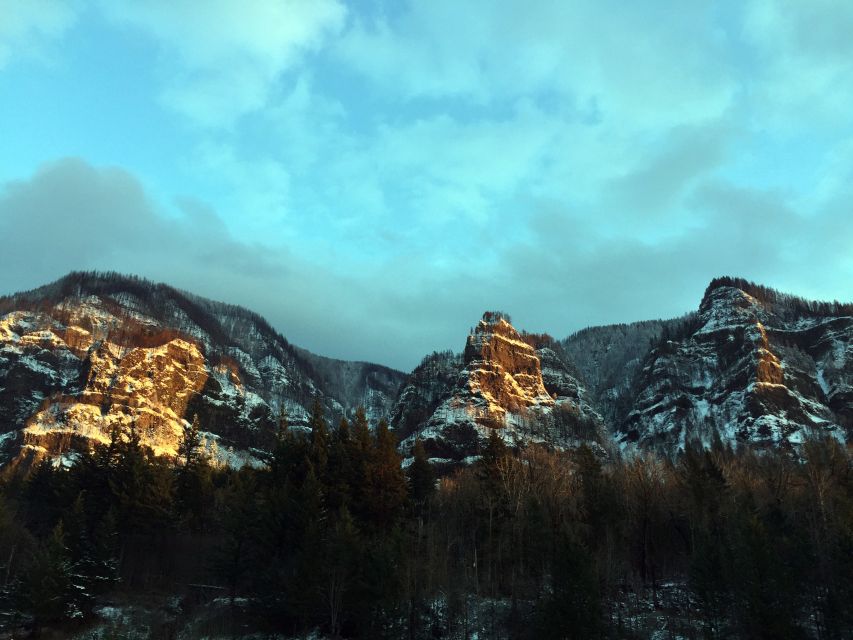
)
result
[(421, 475)]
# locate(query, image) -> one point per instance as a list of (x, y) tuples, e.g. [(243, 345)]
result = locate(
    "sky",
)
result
[(371, 176)]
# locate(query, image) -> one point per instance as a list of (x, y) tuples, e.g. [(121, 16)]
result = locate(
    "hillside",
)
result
[(93, 351)]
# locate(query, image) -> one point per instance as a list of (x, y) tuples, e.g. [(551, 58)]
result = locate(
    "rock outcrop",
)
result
[(452, 402), (93, 352), (753, 366)]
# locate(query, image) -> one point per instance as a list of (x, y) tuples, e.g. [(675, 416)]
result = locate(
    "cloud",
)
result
[(27, 27), (804, 59), (560, 272), (223, 60), (663, 174), (258, 187), (72, 215), (645, 63), (566, 275), (383, 173)]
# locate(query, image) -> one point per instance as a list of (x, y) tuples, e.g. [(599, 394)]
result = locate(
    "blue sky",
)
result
[(371, 176)]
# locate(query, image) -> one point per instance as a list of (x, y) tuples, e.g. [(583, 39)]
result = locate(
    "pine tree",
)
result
[(339, 566), (235, 558), (46, 493), (572, 609), (46, 589), (421, 476), (281, 422), (189, 448), (338, 488), (361, 439), (361, 454), (311, 528), (194, 489), (493, 462), (141, 488), (106, 552), (388, 482), (319, 452)]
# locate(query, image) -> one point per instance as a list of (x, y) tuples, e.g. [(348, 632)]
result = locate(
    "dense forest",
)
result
[(335, 536)]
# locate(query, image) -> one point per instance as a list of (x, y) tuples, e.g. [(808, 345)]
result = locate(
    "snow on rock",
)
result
[(751, 367), (92, 352), (516, 384)]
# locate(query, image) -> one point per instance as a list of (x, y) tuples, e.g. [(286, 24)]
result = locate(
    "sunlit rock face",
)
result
[(90, 353), (753, 366), (149, 387), (498, 383), (502, 371)]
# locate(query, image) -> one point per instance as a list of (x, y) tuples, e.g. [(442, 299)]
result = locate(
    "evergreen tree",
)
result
[(46, 590), (46, 492), (339, 472), (319, 451), (281, 423), (189, 448), (142, 488), (361, 455), (193, 482), (237, 555), (572, 609), (387, 480), (309, 521), (494, 457), (106, 552), (420, 475), (339, 567)]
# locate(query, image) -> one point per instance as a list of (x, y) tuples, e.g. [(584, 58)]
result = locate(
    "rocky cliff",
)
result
[(753, 366), (520, 385), (91, 352)]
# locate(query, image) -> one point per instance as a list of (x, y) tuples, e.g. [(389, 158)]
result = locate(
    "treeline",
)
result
[(785, 305), (335, 534), (179, 311)]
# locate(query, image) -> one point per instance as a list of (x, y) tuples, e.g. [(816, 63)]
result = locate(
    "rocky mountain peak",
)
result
[(502, 368), (95, 351), (518, 384), (754, 366), (726, 305)]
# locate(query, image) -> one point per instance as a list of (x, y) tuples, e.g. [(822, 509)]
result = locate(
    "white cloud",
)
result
[(641, 64), (27, 26), (258, 188), (804, 59), (222, 59)]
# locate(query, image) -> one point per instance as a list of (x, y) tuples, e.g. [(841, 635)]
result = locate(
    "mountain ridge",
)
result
[(92, 350)]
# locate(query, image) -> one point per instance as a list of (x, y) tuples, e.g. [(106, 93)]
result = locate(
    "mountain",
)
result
[(521, 385), (92, 351), (752, 366), (607, 359), (95, 351)]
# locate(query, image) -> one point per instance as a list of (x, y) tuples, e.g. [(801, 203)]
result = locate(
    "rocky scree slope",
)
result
[(520, 385), (753, 366), (93, 351)]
